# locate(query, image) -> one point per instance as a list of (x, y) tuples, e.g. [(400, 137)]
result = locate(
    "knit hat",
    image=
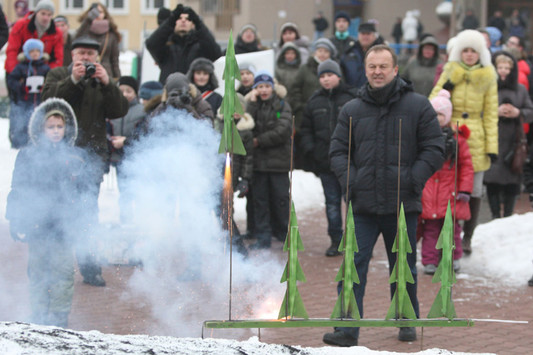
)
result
[(442, 104), (343, 14), (263, 77), (367, 27), (32, 44), (130, 81), (249, 26), (54, 112), (325, 43), (290, 26), (177, 81), (45, 5), (247, 66), (150, 89), (60, 18), (329, 66), (162, 15)]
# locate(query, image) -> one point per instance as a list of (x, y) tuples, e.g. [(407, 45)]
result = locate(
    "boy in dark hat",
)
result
[(271, 153), (319, 115), (201, 73)]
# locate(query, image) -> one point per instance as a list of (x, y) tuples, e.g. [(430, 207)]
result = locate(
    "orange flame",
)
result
[(227, 194)]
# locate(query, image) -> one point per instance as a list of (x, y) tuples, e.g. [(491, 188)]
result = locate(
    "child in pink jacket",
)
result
[(441, 188)]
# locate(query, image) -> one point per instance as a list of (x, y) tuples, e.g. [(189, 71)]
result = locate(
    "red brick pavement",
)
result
[(107, 310)]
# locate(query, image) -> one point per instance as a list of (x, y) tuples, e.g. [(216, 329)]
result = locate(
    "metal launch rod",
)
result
[(347, 203), (290, 206), (398, 213)]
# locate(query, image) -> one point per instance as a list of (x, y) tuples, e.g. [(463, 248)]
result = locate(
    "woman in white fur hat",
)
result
[(472, 81)]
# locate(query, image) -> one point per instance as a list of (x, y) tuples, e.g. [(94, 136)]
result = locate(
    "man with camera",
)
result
[(93, 95), (179, 40)]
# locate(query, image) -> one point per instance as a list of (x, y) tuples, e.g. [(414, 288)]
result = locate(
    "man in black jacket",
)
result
[(319, 122), (386, 106), (179, 40)]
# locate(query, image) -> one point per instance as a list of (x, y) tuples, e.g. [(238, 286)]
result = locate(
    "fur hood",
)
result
[(470, 39), (205, 65), (281, 55), (21, 57), (245, 123), (511, 81), (193, 91), (482, 77), (38, 116)]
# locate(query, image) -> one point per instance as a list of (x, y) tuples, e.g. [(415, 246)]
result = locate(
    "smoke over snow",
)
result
[(174, 176)]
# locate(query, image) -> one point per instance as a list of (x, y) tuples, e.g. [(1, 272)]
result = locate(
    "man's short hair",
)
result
[(383, 47)]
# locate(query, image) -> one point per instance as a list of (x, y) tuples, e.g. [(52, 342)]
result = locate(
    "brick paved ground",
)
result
[(107, 310)]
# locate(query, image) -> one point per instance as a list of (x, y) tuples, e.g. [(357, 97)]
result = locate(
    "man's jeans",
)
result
[(333, 195), (367, 230)]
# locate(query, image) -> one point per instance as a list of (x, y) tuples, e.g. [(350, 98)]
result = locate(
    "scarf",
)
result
[(342, 35), (381, 95), (99, 27)]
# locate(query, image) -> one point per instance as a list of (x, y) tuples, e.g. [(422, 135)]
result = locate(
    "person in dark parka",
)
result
[(384, 105), (179, 40), (202, 74), (45, 208), (319, 122), (271, 142)]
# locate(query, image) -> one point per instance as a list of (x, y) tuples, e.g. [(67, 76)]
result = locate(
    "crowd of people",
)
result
[(460, 120)]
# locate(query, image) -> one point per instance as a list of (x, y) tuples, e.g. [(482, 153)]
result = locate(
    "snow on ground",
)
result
[(21, 338), (504, 251)]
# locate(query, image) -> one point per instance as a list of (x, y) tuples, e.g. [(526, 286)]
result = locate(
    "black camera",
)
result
[(90, 69), (178, 98)]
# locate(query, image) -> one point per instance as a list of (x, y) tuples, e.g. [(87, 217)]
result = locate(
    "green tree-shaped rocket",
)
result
[(401, 306), (231, 140), (443, 305), (346, 306), (293, 305)]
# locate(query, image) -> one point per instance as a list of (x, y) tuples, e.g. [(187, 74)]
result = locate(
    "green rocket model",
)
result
[(401, 306), (231, 140), (293, 305), (443, 305), (346, 306)]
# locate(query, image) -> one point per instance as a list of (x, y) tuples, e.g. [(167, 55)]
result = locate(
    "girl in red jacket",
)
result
[(441, 187)]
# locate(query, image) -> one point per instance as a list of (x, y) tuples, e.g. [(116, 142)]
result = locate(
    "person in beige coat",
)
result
[(472, 81)]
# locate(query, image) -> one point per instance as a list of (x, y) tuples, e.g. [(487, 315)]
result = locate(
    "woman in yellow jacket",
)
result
[(472, 82)]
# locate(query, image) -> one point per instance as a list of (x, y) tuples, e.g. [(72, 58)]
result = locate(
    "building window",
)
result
[(117, 7), (223, 10), (213, 7), (151, 7), (73, 6)]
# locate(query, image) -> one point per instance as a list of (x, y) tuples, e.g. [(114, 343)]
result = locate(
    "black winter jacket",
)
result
[(174, 53), (273, 131), (319, 122), (374, 152)]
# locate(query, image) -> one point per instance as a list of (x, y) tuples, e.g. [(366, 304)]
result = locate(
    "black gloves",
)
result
[(531, 199), (448, 85), (193, 17), (242, 187), (175, 14), (493, 157)]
